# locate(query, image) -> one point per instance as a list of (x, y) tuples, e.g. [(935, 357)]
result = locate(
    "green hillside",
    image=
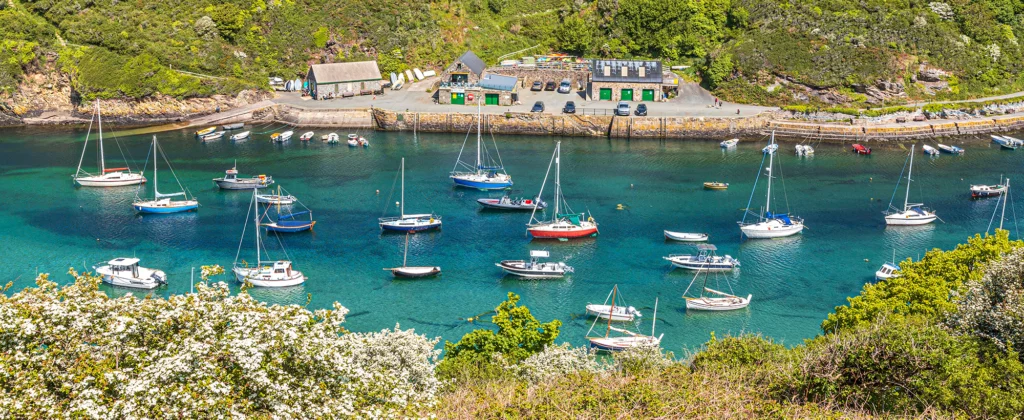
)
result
[(763, 51)]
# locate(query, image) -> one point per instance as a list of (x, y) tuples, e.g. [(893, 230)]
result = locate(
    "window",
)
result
[(607, 71), (625, 71), (643, 71)]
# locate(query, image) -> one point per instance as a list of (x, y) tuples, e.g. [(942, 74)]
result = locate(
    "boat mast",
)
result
[(906, 198), (257, 227), (401, 203), (156, 194), (771, 160), (558, 182), (405, 256), (103, 163), (479, 122), (85, 146), (611, 311), (1006, 195), (655, 320)]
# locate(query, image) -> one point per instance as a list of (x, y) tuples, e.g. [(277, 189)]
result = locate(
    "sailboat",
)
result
[(562, 225), (108, 177), (408, 272), (768, 224), (264, 273), (162, 203), (713, 300), (409, 222), (912, 214), (290, 222), (482, 176), (627, 341)]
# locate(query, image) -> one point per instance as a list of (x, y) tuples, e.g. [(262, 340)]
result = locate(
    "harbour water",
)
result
[(49, 225)]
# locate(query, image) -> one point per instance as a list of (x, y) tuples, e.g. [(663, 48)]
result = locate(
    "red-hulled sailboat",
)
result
[(566, 225)]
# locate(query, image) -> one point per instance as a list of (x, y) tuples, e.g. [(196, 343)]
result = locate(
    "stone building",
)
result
[(344, 79), (465, 82), (625, 80)]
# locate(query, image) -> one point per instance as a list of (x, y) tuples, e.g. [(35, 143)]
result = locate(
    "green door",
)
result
[(491, 99), (627, 94), (458, 98), (606, 94), (648, 94)]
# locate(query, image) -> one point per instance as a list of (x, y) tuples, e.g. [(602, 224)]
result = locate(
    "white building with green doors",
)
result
[(625, 80)]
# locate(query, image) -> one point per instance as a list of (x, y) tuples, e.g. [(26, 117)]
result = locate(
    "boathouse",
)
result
[(625, 80), (343, 79), (465, 82)]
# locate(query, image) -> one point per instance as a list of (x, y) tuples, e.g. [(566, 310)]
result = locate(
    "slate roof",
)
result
[(345, 72), (652, 71), (499, 82), (475, 64)]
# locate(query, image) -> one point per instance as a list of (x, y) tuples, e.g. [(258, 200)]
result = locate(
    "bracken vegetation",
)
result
[(774, 52), (939, 341)]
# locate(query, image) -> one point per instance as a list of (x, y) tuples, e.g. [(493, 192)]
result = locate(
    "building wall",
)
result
[(339, 89), (454, 68), (638, 88), (444, 96)]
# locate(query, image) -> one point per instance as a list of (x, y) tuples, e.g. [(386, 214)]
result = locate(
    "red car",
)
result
[(861, 150)]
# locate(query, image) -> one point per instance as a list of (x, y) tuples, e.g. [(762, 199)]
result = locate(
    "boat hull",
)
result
[(252, 275), (407, 226), (601, 311), (111, 181), (229, 185), (519, 269), (481, 185), (718, 303), (155, 207), (902, 219), (703, 266), (415, 272), (496, 204), (762, 231), (686, 237), (152, 280), (273, 227), (614, 344)]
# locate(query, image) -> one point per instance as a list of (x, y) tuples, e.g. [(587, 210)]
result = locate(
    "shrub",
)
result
[(993, 307), (557, 361)]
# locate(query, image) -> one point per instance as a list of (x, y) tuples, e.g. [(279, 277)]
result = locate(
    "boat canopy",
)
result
[(707, 247), (114, 169), (781, 217), (123, 262), (573, 218), (539, 253)]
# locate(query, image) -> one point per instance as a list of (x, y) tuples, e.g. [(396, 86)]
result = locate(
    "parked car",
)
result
[(538, 107), (537, 86), (565, 86), (622, 109), (570, 107), (641, 110), (550, 85)]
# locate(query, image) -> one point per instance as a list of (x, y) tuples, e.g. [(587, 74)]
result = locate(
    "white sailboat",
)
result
[(713, 300), (408, 222), (912, 214), (412, 272), (482, 175), (566, 225), (264, 273), (768, 224), (629, 339), (108, 177), (162, 203)]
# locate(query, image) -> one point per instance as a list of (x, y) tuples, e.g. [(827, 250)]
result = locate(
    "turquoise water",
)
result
[(48, 225)]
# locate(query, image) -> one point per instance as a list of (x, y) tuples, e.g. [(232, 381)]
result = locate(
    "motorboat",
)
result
[(716, 185), (770, 149), (768, 224), (353, 140), (705, 260), (364, 142), (686, 237), (235, 126), (331, 138), (928, 150), (412, 272), (535, 269), (616, 313), (240, 136), (281, 137), (485, 173), (408, 222), (264, 273), (887, 271), (911, 214), (126, 272), (729, 143), (231, 181), (279, 199), (290, 223), (212, 136), (306, 136), (508, 203), (950, 149), (108, 177), (205, 131), (566, 225), (1005, 142), (162, 203), (860, 149), (983, 191)]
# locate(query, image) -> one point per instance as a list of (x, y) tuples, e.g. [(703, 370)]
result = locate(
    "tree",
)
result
[(575, 35), (993, 307), (519, 335)]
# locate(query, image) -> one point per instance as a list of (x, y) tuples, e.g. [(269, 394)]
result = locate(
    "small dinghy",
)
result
[(364, 142), (508, 203), (281, 137), (771, 148), (614, 311), (705, 260), (1005, 142), (408, 272), (729, 143), (306, 136), (126, 272), (235, 126), (212, 136), (804, 150), (950, 149), (861, 150), (984, 191), (276, 199), (713, 300), (290, 223), (534, 269), (205, 131), (353, 140), (716, 185), (686, 237), (887, 271), (240, 136), (331, 138), (930, 151)]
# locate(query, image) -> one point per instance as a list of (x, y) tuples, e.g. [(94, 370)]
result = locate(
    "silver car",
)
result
[(622, 109)]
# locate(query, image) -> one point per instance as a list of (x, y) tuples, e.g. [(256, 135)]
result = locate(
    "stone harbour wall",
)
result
[(941, 128)]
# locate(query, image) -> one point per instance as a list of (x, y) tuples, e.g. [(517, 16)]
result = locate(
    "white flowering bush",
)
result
[(73, 351), (642, 358), (993, 307), (556, 361)]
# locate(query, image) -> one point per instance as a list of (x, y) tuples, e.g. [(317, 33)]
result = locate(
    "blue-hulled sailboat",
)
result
[(291, 223), (409, 222), (162, 203), (489, 175)]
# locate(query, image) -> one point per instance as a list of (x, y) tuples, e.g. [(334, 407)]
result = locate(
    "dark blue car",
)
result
[(538, 107)]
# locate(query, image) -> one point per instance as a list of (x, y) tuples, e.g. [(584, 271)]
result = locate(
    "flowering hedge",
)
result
[(72, 351)]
